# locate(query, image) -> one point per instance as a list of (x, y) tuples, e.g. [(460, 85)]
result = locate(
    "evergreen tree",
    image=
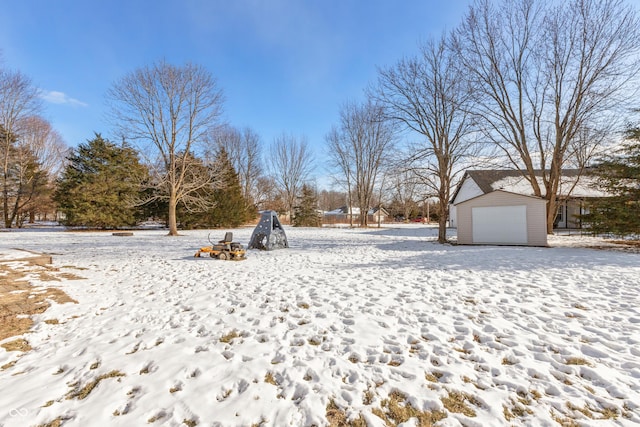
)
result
[(100, 184), (306, 213), (229, 207), (618, 175)]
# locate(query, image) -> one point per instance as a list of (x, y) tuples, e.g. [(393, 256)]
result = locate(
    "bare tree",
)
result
[(340, 157), (359, 148), (168, 111), (18, 99), (291, 164), (329, 200), (245, 150), (47, 148), (544, 76), (429, 96), (404, 189)]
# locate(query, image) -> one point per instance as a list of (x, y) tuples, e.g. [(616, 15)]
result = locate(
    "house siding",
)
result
[(536, 216), (468, 190)]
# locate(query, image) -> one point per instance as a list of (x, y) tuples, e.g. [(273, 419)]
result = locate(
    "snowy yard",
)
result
[(345, 322)]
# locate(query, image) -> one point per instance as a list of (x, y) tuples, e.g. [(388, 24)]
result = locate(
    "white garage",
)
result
[(502, 218)]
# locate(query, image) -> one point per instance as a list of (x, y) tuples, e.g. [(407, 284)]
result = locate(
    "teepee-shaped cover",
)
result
[(269, 233)]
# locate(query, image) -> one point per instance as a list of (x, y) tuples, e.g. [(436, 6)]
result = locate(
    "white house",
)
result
[(341, 215)]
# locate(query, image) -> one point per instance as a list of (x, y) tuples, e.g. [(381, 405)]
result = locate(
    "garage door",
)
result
[(500, 224)]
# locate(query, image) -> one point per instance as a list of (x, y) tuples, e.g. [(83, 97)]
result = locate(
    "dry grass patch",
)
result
[(54, 423), (8, 365), (564, 421), (368, 396), (314, 341), (457, 402), (16, 345), (578, 361), (396, 409), (270, 379), (82, 392), (19, 299), (518, 408), (588, 411), (433, 377), (338, 417), (227, 338)]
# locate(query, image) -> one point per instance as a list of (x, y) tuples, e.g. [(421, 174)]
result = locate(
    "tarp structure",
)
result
[(269, 233)]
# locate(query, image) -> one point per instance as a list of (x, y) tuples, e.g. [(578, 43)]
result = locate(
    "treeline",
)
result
[(528, 85)]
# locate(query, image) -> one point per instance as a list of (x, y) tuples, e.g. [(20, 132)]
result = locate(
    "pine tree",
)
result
[(99, 185), (306, 213), (229, 207), (618, 175)]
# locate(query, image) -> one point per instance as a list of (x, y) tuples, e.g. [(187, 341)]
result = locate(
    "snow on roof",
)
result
[(574, 186), (573, 183)]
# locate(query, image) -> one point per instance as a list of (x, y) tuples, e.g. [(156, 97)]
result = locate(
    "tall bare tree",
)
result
[(45, 142), (245, 150), (359, 147), (19, 98), (168, 110), (340, 157), (545, 75), (291, 163), (429, 96), (46, 146)]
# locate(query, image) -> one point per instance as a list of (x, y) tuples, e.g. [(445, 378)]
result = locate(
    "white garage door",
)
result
[(500, 224)]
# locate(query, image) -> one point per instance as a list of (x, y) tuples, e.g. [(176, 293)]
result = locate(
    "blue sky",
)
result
[(284, 65)]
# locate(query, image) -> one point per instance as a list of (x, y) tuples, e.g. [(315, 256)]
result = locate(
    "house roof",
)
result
[(501, 191), (572, 182)]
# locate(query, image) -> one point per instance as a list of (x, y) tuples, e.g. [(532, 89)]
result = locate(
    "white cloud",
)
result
[(56, 97)]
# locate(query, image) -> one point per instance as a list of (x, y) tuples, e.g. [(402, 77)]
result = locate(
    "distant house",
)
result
[(342, 215), (514, 205)]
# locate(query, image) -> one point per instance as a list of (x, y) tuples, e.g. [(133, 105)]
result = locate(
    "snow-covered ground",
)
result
[(527, 336)]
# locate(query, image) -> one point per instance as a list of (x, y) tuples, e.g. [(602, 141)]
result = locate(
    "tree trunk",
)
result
[(5, 198), (173, 223), (551, 213), (442, 221)]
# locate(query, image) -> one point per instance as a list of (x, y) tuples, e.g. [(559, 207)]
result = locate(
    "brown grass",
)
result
[(19, 299), (433, 376), (54, 423), (314, 341), (577, 361), (457, 402), (270, 379), (338, 417), (8, 365), (82, 392), (16, 345), (396, 409), (588, 411), (227, 338)]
